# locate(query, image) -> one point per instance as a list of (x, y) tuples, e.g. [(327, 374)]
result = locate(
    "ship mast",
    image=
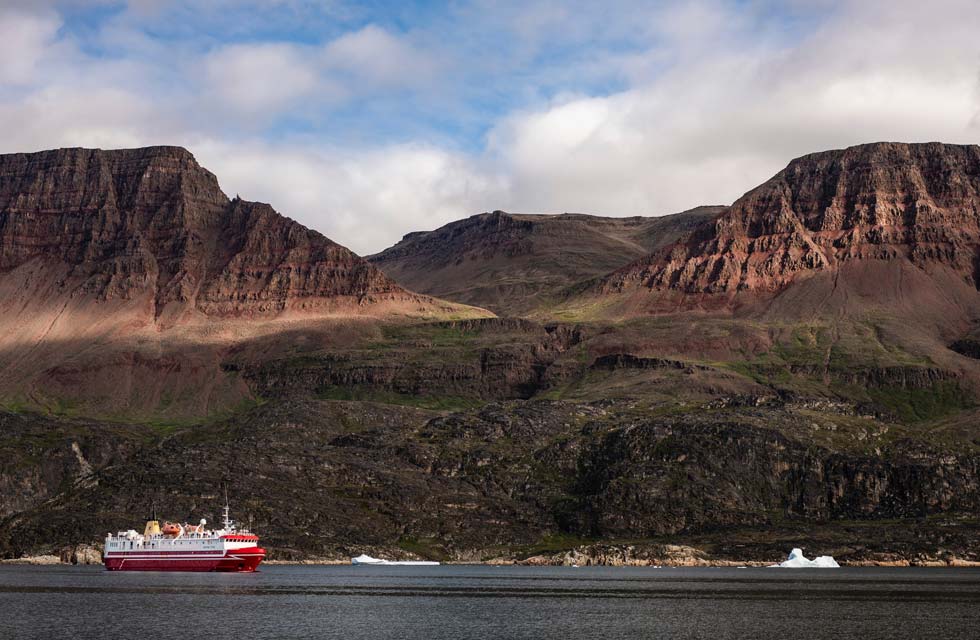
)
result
[(227, 520)]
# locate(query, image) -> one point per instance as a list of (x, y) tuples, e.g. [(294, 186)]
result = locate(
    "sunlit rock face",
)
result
[(126, 275), (152, 222), (864, 214)]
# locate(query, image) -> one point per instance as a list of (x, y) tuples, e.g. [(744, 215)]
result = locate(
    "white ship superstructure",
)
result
[(183, 547)]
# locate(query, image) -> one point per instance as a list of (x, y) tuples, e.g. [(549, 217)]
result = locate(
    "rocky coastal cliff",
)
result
[(517, 479)]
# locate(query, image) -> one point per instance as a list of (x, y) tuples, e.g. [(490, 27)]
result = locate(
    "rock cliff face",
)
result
[(868, 214), (41, 456), (274, 264), (484, 359), (513, 263), (125, 275), (512, 479), (151, 222)]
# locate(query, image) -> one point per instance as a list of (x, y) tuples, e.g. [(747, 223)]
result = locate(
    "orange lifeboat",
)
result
[(171, 529), (193, 528)]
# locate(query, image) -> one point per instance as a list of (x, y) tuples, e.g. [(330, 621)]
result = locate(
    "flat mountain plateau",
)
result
[(798, 369)]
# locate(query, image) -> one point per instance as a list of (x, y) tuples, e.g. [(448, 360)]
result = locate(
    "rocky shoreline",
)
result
[(663, 555), (686, 556), (81, 554)]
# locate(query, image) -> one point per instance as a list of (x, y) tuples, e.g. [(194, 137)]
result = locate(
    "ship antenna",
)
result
[(227, 522)]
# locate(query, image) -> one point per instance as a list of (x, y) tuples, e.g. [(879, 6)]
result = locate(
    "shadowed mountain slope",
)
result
[(515, 263), (152, 225), (122, 272)]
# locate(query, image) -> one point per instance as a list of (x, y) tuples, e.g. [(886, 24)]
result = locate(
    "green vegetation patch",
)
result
[(370, 394), (919, 405)]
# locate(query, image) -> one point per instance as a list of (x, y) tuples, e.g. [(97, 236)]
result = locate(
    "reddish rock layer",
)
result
[(914, 203), (130, 222)]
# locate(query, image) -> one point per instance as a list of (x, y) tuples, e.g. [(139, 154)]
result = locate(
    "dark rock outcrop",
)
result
[(616, 361), (486, 359), (41, 456), (323, 478)]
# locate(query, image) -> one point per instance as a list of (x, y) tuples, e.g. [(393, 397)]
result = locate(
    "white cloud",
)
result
[(719, 97), (722, 119), (25, 37), (60, 116), (373, 57), (259, 79), (255, 83), (363, 199)]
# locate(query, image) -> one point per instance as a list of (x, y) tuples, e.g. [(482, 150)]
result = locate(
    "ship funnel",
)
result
[(152, 528)]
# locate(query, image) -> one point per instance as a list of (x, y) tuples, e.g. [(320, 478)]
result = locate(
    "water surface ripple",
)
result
[(461, 602)]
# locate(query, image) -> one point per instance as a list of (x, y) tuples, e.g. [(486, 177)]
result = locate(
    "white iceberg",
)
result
[(797, 560), (368, 560)]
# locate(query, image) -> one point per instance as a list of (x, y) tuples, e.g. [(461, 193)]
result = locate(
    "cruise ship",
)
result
[(183, 547)]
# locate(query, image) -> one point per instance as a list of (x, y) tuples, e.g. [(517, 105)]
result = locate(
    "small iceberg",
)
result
[(368, 560), (797, 560)]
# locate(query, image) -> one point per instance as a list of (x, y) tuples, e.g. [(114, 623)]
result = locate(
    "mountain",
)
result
[(514, 263), (878, 226), (797, 370), (125, 273), (151, 225)]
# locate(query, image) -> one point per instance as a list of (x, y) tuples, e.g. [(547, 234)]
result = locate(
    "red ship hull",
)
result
[(237, 561)]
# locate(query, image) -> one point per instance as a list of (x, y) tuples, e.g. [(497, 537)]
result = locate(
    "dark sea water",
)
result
[(461, 602)]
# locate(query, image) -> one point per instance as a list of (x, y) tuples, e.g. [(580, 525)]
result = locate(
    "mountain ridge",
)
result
[(796, 206), (872, 214), (128, 220), (513, 263)]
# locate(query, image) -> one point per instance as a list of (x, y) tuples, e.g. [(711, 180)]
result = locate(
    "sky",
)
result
[(368, 120)]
